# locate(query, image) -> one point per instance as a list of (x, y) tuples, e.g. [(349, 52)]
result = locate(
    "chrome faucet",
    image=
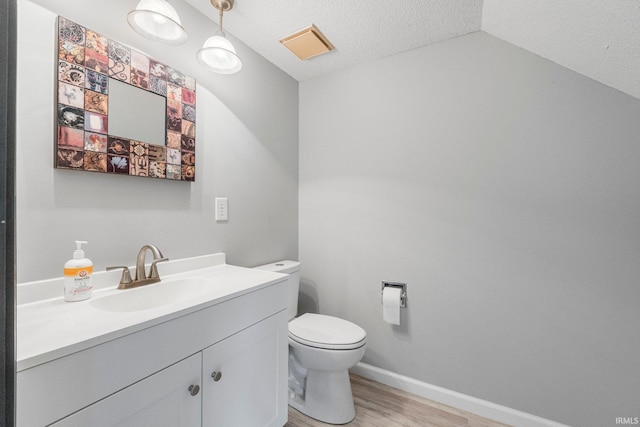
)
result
[(141, 277)]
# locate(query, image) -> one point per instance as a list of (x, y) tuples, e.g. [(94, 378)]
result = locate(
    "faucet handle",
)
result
[(153, 271), (125, 279)]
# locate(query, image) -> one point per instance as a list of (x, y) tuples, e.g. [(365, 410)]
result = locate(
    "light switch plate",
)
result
[(222, 209)]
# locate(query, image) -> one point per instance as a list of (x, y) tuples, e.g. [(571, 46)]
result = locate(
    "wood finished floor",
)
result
[(378, 405)]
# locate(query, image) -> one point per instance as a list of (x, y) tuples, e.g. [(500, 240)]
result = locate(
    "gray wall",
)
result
[(247, 150), (505, 190)]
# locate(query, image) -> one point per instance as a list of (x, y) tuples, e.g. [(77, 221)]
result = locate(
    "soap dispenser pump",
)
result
[(77, 275)]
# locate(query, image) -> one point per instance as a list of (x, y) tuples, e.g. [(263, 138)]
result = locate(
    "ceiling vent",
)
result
[(307, 43)]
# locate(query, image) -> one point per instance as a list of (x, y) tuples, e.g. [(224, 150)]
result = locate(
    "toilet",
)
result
[(321, 351)]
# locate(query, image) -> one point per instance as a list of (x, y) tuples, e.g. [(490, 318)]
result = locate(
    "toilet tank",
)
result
[(292, 268)]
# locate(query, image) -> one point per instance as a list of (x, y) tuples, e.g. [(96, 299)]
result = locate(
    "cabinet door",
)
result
[(251, 387), (163, 399)]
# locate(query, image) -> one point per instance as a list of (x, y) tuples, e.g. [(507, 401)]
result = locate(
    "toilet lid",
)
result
[(319, 330)]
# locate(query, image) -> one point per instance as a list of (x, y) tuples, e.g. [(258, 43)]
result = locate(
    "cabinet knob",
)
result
[(194, 389), (216, 375)]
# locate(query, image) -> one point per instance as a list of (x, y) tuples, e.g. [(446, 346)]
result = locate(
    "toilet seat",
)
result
[(326, 332)]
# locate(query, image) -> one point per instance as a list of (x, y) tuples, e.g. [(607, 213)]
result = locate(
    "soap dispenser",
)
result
[(77, 275)]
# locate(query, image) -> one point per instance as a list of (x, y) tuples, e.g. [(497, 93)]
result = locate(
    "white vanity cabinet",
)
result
[(242, 378), (145, 378), (235, 382), (163, 399)]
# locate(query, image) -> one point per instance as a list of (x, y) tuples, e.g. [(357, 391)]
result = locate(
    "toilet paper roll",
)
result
[(391, 304)]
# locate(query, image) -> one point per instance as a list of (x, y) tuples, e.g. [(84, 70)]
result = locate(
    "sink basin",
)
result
[(153, 296)]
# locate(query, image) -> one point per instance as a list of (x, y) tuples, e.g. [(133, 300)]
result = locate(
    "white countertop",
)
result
[(50, 328)]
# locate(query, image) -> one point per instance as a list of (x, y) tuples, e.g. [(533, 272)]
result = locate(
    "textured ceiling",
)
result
[(597, 38), (361, 30)]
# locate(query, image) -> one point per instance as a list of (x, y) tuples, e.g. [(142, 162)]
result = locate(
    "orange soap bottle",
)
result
[(77, 275)]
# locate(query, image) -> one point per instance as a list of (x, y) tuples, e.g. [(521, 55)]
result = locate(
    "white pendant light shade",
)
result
[(219, 55), (157, 20)]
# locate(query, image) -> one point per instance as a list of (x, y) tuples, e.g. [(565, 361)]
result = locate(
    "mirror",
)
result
[(138, 114), (119, 111)]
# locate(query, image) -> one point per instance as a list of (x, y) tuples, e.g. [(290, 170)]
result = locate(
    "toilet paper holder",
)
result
[(403, 294)]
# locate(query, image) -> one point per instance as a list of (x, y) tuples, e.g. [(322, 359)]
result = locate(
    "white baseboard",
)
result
[(471, 404)]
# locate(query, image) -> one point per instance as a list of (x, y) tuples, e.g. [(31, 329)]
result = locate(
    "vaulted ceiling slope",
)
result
[(597, 38)]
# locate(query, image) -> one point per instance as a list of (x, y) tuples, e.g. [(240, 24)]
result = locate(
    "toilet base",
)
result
[(327, 397)]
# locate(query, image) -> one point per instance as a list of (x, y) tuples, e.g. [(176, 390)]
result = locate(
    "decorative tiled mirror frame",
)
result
[(86, 61)]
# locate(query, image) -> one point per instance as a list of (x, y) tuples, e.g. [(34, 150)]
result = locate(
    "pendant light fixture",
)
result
[(157, 20), (217, 53)]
